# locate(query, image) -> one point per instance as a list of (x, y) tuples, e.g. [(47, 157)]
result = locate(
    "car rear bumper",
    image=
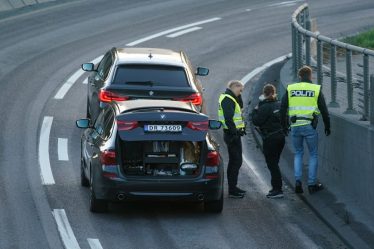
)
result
[(184, 190)]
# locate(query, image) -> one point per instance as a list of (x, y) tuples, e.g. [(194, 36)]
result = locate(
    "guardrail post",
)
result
[(294, 51), (350, 110), (372, 99), (366, 88), (299, 50), (319, 63), (333, 102), (308, 25)]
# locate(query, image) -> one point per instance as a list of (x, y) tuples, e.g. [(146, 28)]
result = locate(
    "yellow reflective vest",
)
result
[(303, 102), (237, 119)]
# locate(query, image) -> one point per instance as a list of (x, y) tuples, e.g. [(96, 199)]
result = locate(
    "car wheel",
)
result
[(214, 206), (96, 206), (84, 180)]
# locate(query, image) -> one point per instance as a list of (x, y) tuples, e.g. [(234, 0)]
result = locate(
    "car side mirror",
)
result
[(83, 123), (214, 124), (202, 71), (88, 67)]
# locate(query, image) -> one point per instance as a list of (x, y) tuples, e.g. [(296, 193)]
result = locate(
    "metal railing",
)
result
[(301, 55)]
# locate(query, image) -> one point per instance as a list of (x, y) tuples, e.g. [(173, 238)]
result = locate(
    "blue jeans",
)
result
[(310, 135)]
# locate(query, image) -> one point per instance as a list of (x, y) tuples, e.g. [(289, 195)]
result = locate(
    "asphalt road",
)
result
[(41, 50)]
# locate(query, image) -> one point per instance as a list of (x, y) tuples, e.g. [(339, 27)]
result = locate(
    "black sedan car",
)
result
[(151, 149), (142, 73)]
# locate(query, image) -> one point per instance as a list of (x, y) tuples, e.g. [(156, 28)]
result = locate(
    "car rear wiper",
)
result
[(149, 82)]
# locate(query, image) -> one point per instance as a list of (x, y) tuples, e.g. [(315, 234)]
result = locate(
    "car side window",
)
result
[(99, 123), (104, 66), (109, 120)]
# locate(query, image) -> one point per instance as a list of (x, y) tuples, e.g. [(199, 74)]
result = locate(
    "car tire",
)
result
[(96, 206), (84, 180), (214, 206)]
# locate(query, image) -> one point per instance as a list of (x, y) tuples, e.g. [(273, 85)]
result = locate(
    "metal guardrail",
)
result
[(301, 55)]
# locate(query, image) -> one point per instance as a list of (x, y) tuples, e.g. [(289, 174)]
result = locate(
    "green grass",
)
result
[(365, 39)]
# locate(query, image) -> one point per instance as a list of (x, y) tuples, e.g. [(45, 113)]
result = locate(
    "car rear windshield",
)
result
[(153, 75)]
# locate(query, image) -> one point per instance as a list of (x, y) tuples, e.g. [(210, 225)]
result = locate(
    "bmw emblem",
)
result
[(151, 93)]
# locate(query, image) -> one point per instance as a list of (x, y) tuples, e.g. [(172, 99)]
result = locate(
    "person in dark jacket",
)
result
[(266, 116), (301, 105), (230, 115)]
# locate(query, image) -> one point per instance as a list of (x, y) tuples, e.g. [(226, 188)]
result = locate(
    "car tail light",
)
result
[(198, 126), (108, 157), (211, 165), (194, 98), (127, 125), (107, 96)]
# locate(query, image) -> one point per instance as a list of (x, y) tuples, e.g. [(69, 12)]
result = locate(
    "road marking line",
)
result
[(44, 163), (185, 31), (63, 226), (94, 244), (72, 79), (85, 81), (171, 31), (68, 84), (257, 70), (62, 149), (286, 3)]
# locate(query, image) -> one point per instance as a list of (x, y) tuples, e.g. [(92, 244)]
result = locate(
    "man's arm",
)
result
[(284, 111), (228, 107), (324, 111)]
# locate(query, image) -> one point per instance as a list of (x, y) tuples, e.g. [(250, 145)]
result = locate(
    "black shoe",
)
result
[(315, 188), (299, 187), (241, 191), (235, 194), (274, 194)]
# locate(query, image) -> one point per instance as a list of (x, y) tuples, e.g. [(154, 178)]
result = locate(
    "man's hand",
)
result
[(327, 132)]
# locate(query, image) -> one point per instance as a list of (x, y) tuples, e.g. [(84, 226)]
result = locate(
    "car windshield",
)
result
[(150, 75)]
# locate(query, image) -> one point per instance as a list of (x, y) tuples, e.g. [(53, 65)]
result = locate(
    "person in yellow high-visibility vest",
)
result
[(301, 105), (230, 115)]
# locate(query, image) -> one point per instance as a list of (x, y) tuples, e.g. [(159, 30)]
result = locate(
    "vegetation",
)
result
[(365, 39)]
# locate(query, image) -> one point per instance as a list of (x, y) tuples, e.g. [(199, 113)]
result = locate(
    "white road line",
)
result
[(62, 149), (63, 226), (185, 31), (171, 31), (287, 3), (257, 70), (44, 163), (85, 81), (68, 84), (72, 79), (94, 244)]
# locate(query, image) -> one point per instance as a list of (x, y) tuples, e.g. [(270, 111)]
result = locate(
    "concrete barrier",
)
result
[(6, 5)]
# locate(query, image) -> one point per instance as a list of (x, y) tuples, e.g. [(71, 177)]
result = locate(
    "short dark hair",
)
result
[(305, 73), (269, 90)]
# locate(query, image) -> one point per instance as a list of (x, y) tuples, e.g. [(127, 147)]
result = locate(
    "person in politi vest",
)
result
[(230, 115), (300, 108)]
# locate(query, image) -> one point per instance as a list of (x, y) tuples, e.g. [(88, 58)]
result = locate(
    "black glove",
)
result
[(327, 132), (241, 132), (286, 131)]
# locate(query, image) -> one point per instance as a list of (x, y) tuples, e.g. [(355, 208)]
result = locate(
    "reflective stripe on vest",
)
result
[(237, 118), (303, 101)]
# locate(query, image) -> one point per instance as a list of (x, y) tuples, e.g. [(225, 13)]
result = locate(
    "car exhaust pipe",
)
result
[(121, 197), (200, 197)]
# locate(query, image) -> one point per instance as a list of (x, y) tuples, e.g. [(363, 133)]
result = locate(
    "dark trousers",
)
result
[(234, 146), (273, 147)]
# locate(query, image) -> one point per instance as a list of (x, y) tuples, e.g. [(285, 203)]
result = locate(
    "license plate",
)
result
[(162, 128)]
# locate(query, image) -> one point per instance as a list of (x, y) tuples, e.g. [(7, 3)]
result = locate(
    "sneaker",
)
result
[(241, 191), (274, 194), (299, 187), (235, 194), (315, 188)]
